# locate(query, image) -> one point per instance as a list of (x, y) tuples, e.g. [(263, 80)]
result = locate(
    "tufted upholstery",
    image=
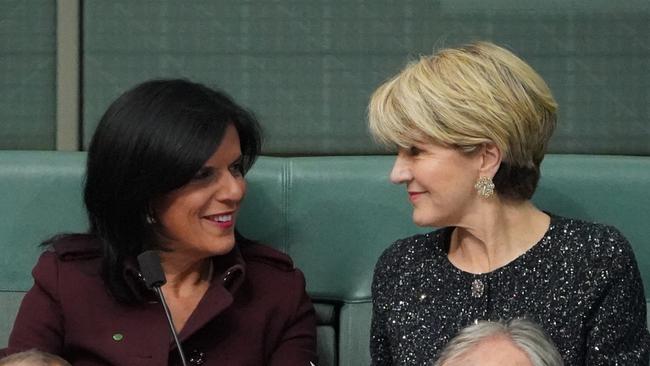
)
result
[(333, 215)]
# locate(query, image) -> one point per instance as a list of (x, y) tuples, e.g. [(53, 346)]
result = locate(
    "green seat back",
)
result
[(333, 215)]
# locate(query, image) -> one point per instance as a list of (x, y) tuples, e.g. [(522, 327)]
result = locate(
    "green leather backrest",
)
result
[(333, 215), (41, 196)]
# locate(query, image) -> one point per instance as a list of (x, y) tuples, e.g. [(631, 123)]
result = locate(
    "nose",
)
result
[(231, 189), (401, 172)]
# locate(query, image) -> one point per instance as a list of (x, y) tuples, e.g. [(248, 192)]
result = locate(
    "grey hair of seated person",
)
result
[(524, 334), (33, 358)]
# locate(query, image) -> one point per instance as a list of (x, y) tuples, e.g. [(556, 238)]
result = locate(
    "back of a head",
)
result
[(33, 358), (498, 350), (517, 335)]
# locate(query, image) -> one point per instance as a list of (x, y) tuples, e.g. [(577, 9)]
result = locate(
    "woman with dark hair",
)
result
[(470, 126), (165, 172)]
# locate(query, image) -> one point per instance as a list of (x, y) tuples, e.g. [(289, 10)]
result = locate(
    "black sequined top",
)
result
[(580, 283)]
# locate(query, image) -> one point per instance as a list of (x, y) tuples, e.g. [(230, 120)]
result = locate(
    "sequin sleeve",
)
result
[(618, 334), (379, 338)]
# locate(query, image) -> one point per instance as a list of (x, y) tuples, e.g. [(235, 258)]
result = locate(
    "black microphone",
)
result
[(154, 278)]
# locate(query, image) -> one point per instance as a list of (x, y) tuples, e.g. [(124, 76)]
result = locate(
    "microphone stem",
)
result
[(171, 324)]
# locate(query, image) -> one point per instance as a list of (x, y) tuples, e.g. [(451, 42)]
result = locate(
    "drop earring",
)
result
[(150, 219)]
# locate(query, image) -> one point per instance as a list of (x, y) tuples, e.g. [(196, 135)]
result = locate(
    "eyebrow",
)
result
[(238, 159)]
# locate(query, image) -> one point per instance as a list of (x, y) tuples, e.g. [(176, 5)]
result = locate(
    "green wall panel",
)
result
[(307, 68), (27, 74)]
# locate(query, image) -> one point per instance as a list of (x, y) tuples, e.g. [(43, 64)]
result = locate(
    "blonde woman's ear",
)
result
[(490, 159)]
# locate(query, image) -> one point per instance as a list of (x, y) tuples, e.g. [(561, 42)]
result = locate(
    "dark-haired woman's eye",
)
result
[(237, 169), (203, 173)]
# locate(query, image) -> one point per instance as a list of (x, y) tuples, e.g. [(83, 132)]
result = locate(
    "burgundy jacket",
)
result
[(255, 312)]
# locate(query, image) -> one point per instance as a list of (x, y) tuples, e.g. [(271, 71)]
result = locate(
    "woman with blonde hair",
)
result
[(471, 126)]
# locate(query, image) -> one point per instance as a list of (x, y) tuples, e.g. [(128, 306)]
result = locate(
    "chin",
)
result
[(428, 220), (225, 248), (222, 246), (422, 222)]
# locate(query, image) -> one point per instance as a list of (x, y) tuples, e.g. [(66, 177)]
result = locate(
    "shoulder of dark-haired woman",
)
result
[(253, 251), (87, 254), (73, 246)]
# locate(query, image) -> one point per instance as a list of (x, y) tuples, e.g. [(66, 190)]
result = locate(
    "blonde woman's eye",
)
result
[(414, 151)]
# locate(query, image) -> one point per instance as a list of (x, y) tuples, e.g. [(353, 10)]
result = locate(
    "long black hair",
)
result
[(152, 140)]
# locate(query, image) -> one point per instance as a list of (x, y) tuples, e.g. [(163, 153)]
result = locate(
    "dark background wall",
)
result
[(27, 74), (307, 68)]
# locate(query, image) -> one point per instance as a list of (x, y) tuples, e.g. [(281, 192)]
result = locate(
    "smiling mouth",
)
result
[(222, 220), (414, 195)]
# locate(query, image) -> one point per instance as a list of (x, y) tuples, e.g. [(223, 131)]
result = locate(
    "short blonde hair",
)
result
[(465, 97)]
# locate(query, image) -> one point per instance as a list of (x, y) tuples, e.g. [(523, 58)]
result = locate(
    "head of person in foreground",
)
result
[(518, 342), (33, 358)]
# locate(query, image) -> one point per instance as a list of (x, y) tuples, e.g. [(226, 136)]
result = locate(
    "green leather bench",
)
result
[(333, 215)]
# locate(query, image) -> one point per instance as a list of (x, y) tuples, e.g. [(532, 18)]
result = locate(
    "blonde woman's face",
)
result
[(439, 181)]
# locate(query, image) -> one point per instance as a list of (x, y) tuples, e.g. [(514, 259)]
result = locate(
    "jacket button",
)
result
[(196, 357)]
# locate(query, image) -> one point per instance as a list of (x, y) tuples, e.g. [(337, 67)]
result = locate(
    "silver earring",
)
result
[(150, 219), (485, 187)]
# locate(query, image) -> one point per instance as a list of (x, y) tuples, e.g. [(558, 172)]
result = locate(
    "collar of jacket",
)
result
[(228, 275), (229, 271)]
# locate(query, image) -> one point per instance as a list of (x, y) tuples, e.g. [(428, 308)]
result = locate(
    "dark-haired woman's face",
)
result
[(198, 219)]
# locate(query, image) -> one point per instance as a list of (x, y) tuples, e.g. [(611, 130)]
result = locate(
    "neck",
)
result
[(188, 280), (184, 271), (495, 234)]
